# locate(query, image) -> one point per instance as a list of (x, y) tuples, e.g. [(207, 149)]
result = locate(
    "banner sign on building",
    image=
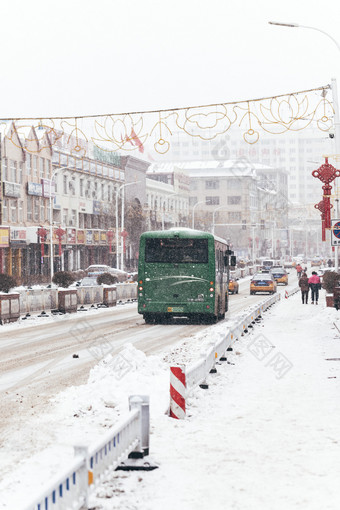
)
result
[(81, 236), (89, 237), (4, 237), (11, 189), (18, 235), (48, 188), (71, 236), (34, 188), (96, 236)]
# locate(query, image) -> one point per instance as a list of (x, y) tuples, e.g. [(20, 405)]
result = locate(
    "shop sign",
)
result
[(89, 236), (81, 237), (96, 236), (48, 188), (103, 237), (96, 207), (34, 188), (71, 236), (4, 237), (11, 189), (18, 235)]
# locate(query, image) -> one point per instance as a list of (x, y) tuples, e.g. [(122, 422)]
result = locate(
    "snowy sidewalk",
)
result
[(258, 438)]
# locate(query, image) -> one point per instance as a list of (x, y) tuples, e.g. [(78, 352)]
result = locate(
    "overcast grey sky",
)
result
[(84, 57)]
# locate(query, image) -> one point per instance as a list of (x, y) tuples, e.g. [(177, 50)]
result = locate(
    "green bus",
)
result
[(182, 273)]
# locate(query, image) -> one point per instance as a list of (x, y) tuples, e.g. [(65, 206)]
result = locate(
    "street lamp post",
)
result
[(51, 222), (335, 100), (213, 218), (193, 212)]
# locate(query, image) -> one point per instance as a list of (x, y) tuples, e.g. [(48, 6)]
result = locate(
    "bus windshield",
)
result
[(176, 251)]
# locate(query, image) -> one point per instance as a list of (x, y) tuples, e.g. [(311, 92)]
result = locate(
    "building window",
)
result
[(212, 184), (21, 211), (234, 216), (28, 162), (14, 211), (65, 184), (234, 200), (5, 211), (65, 215), (42, 168), (47, 167), (36, 209), (42, 210), (29, 208), (35, 166), (13, 170), (74, 218), (4, 169), (81, 187), (212, 200)]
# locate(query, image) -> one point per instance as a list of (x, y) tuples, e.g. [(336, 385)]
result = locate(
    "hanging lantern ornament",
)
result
[(42, 233), (110, 235), (326, 173), (124, 235), (59, 234), (321, 207)]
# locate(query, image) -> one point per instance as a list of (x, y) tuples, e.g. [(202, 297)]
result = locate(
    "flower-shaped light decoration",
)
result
[(205, 122), (120, 132)]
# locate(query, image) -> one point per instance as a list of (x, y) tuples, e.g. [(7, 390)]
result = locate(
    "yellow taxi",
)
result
[(263, 282), (280, 275), (233, 286)]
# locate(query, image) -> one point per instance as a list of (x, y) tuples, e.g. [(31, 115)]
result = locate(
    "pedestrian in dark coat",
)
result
[(304, 286), (315, 285)]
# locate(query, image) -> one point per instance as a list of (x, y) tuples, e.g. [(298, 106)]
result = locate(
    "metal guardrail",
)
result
[(71, 487), (183, 379)]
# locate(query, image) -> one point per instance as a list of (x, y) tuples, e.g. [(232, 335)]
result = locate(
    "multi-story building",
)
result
[(244, 203), (86, 199)]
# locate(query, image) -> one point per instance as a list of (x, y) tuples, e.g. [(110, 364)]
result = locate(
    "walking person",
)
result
[(315, 285), (304, 286), (299, 270)]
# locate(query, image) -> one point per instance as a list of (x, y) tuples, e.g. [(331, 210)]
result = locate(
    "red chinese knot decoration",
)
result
[(124, 235), (59, 234), (326, 173), (42, 233)]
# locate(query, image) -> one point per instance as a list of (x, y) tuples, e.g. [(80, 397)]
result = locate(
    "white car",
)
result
[(97, 269)]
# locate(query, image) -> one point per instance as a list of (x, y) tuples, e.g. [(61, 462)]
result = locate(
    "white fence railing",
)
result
[(70, 489), (183, 379)]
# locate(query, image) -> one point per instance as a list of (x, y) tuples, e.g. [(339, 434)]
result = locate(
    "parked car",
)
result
[(87, 281), (262, 282), (97, 269), (280, 275), (233, 286)]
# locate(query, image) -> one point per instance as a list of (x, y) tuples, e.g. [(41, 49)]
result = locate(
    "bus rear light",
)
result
[(140, 282), (211, 295), (211, 289), (208, 306), (144, 306), (140, 288)]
